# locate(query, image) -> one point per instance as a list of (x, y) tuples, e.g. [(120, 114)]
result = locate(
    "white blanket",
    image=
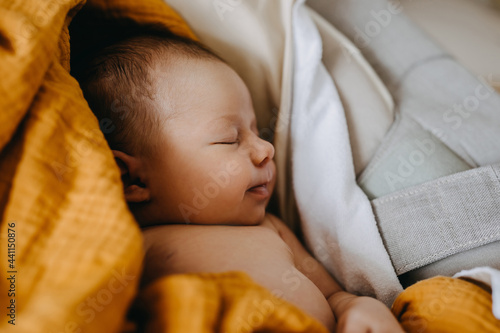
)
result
[(337, 218)]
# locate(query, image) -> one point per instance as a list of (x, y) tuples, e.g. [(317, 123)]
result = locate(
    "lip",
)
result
[(262, 188), (260, 191)]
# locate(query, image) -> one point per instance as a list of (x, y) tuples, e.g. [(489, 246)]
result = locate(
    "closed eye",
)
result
[(226, 143)]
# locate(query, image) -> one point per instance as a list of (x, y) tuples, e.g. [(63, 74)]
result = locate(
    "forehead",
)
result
[(203, 89)]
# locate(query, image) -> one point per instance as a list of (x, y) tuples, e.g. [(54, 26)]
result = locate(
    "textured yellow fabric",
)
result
[(445, 305), (78, 250), (208, 303)]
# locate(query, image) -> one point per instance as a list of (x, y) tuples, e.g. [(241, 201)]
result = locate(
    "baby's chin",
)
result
[(249, 219), (242, 216), (255, 220)]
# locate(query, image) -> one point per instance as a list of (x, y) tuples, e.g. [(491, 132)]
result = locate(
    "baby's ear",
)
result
[(130, 169)]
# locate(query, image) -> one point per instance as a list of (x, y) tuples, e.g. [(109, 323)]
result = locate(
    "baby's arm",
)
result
[(352, 313)]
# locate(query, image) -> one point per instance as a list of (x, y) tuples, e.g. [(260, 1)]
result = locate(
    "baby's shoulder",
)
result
[(164, 236)]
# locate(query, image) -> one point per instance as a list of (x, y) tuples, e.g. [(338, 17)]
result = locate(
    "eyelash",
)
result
[(227, 143)]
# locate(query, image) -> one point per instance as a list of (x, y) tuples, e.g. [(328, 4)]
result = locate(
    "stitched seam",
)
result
[(497, 178), (425, 187), (448, 250)]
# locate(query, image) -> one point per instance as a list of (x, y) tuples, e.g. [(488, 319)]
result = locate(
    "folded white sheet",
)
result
[(336, 216)]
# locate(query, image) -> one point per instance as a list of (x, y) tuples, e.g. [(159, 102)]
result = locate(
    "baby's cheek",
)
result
[(211, 197), (229, 176)]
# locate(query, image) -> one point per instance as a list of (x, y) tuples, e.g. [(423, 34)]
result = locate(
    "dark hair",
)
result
[(116, 80)]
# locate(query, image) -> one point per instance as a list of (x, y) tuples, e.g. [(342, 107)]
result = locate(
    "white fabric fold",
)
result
[(336, 216), (490, 277)]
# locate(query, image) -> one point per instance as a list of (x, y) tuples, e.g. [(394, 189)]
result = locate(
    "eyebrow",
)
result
[(228, 118), (231, 119), (222, 121)]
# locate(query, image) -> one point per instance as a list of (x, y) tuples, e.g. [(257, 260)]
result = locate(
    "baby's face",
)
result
[(211, 167)]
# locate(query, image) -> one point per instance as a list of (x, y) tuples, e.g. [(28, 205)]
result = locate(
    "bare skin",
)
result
[(259, 250), (202, 199), (273, 257)]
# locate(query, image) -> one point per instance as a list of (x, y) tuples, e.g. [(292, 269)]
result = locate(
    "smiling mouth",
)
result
[(260, 191), (258, 187)]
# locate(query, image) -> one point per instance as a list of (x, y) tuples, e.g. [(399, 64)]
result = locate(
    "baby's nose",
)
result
[(263, 152)]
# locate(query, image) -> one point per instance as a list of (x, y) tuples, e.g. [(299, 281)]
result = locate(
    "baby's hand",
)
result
[(362, 315)]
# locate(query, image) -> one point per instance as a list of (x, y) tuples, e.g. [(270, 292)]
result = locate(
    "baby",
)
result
[(198, 178)]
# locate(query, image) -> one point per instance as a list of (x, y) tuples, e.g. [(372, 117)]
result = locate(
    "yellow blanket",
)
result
[(70, 255), (446, 305), (210, 303), (75, 250)]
